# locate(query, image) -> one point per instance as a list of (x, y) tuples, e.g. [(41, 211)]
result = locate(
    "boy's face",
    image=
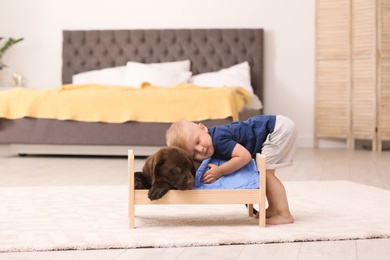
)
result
[(198, 142)]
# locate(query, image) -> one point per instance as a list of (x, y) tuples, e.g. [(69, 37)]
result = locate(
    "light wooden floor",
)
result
[(324, 164)]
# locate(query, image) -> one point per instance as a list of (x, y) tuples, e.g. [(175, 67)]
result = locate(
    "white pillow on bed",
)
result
[(116, 75), (182, 65), (236, 75), (138, 73), (109, 76)]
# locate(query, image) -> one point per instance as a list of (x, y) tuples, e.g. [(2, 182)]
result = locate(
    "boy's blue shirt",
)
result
[(250, 133)]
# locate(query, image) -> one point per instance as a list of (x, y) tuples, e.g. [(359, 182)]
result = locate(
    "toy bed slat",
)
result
[(200, 197), (238, 196)]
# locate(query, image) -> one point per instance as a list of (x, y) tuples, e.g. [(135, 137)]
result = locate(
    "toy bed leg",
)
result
[(130, 161), (261, 166), (250, 210)]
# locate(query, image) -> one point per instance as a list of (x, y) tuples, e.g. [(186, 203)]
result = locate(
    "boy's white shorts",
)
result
[(279, 147)]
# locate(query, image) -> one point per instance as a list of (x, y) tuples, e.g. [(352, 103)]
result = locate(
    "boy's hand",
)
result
[(240, 157), (211, 175)]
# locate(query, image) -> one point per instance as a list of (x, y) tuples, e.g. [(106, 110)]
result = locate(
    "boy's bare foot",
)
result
[(270, 213), (279, 219)]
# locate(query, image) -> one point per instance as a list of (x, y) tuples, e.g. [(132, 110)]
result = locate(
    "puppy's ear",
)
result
[(148, 169), (158, 160), (157, 169)]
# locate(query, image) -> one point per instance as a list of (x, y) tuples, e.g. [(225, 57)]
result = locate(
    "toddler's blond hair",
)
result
[(175, 133)]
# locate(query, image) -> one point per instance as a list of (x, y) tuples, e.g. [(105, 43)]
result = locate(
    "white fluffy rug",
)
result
[(95, 217)]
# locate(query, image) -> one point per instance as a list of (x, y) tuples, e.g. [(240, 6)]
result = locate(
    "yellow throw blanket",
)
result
[(117, 104)]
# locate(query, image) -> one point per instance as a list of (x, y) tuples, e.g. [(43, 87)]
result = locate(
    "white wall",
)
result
[(288, 25)]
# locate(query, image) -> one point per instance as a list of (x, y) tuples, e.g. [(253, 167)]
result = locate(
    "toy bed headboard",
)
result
[(208, 50)]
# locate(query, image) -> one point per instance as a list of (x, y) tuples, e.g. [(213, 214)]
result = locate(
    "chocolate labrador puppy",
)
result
[(170, 168)]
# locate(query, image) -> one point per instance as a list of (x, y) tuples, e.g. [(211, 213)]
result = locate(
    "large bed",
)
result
[(209, 50)]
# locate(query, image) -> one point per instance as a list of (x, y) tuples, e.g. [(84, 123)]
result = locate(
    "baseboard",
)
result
[(305, 142), (308, 142), (24, 149)]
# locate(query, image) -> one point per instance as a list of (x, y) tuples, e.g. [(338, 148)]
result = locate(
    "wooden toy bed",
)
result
[(208, 50), (216, 196)]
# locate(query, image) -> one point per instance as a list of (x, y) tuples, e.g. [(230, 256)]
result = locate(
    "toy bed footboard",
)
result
[(237, 196)]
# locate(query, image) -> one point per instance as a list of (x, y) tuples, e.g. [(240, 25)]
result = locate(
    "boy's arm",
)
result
[(240, 157)]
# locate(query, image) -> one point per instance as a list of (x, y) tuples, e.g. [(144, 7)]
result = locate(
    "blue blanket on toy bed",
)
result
[(245, 178)]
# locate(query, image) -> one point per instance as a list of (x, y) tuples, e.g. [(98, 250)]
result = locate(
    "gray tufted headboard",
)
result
[(208, 50)]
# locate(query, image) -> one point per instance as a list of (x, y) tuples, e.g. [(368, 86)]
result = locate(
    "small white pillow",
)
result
[(237, 75), (116, 75), (138, 73), (109, 76), (182, 65)]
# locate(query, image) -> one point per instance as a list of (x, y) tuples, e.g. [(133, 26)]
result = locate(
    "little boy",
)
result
[(238, 143)]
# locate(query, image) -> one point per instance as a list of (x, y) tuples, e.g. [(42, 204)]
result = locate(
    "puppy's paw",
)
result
[(140, 182), (158, 191)]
